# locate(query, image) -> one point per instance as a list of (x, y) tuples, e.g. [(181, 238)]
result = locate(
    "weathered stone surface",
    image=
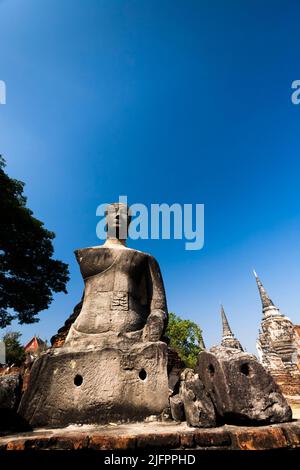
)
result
[(187, 440), (278, 351), (177, 408), (108, 442), (175, 367), (124, 298), (113, 364), (157, 435), (10, 390), (292, 433), (96, 386), (278, 345), (259, 439), (228, 338), (170, 440), (215, 438), (165, 415), (297, 342), (10, 395), (198, 407), (240, 388)]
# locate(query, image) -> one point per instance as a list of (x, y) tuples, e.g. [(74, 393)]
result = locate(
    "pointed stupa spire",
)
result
[(202, 344), (267, 303), (228, 338), (226, 328)]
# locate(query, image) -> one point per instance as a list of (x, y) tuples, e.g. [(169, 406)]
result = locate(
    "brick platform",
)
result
[(159, 435)]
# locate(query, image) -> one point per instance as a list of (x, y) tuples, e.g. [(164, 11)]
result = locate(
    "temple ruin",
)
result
[(278, 346)]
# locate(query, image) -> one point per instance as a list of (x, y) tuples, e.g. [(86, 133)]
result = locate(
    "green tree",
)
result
[(186, 338), (15, 353), (28, 273)]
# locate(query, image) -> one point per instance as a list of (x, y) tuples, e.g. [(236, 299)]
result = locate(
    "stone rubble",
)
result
[(242, 391)]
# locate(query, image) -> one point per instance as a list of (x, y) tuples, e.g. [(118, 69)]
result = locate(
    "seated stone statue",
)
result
[(124, 297), (113, 364)]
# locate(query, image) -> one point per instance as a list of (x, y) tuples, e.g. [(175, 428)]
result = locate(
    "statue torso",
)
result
[(116, 293)]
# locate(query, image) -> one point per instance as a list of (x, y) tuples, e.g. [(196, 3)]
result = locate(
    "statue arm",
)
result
[(158, 316)]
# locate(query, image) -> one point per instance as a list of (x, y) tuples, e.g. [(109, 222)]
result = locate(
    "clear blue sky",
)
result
[(164, 101)]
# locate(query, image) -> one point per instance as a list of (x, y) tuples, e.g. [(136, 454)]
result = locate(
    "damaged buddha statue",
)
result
[(124, 299), (113, 364)]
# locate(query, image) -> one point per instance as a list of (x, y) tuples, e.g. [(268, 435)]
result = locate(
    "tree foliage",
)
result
[(15, 353), (28, 273), (186, 338)]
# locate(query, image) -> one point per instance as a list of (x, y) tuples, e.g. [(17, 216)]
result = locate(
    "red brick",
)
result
[(158, 440), (187, 440), (259, 439), (209, 438), (108, 442)]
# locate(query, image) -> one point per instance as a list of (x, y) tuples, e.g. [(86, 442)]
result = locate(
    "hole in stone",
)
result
[(78, 379), (211, 370), (142, 374), (245, 369)]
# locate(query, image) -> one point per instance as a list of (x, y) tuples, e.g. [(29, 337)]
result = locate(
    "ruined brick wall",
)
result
[(59, 338), (279, 351), (289, 378), (297, 335)]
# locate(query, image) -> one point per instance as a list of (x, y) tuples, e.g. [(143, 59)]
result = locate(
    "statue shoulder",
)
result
[(81, 253), (153, 263), (85, 254), (150, 258)]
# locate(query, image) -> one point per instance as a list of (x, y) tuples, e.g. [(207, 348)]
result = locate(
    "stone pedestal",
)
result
[(155, 438), (97, 386)]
